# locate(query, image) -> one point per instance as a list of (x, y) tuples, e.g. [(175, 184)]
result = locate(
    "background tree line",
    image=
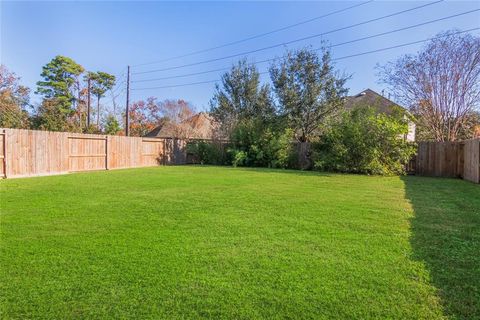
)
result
[(440, 86), (303, 103), (65, 88)]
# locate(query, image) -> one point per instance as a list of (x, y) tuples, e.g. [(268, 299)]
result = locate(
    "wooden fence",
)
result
[(449, 159), (25, 153)]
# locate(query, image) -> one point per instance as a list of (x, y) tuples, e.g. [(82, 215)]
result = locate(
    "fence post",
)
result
[(106, 152), (478, 172), (4, 147)]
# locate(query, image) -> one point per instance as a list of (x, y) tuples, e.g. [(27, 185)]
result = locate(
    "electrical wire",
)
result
[(255, 36), (292, 41), (334, 59), (331, 46)]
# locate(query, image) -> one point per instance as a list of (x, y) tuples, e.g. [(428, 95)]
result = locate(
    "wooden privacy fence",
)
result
[(25, 153), (449, 159)]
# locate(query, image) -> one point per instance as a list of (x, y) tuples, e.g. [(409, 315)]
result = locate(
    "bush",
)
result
[(208, 152), (239, 157), (363, 141), (254, 145)]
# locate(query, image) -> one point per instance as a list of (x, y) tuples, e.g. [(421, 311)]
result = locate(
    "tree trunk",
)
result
[(79, 110), (98, 112), (304, 155)]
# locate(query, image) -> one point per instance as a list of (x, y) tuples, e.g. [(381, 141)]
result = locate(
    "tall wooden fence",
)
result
[(449, 159), (25, 153)]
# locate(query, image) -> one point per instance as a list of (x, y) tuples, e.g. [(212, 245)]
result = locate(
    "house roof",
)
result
[(370, 98), (202, 125)]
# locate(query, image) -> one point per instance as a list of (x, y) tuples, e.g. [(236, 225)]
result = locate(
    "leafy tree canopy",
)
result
[(14, 99), (112, 126), (308, 89), (240, 96)]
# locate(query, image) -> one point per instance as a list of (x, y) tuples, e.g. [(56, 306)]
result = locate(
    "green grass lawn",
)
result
[(210, 242)]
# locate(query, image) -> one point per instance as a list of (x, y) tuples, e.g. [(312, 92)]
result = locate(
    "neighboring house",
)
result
[(370, 98), (199, 126)]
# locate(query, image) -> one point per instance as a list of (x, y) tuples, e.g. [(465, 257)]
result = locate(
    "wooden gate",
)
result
[(87, 153), (153, 151), (27, 153)]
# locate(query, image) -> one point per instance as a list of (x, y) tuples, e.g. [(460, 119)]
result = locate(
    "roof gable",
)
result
[(371, 98)]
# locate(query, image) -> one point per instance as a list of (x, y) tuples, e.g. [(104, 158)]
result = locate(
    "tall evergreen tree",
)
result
[(59, 78), (101, 83)]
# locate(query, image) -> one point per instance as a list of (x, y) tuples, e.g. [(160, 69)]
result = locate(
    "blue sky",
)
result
[(108, 36)]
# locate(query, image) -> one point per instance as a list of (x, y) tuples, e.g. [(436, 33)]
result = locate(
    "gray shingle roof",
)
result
[(370, 98)]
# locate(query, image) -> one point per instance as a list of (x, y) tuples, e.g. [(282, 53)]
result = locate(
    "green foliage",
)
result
[(112, 126), (239, 157), (14, 100), (208, 152), (241, 97), (254, 145), (60, 76), (13, 117), (92, 129), (308, 89), (101, 82), (363, 141), (50, 117)]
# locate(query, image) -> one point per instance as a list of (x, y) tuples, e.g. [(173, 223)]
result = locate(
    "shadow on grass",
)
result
[(446, 238)]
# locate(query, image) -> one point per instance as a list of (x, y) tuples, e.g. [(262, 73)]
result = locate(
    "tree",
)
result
[(241, 97), (14, 99), (101, 82), (145, 116), (176, 114), (50, 117), (441, 83), (308, 89), (112, 126), (61, 78)]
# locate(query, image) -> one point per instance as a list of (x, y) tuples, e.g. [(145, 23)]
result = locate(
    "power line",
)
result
[(119, 86), (400, 45), (340, 58), (177, 85), (183, 75), (255, 36), (331, 46), (292, 41)]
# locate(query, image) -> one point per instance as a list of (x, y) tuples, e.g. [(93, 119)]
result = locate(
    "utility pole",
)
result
[(127, 120), (88, 104)]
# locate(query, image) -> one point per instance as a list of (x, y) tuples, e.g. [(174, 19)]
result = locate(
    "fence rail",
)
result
[(25, 153), (449, 159)]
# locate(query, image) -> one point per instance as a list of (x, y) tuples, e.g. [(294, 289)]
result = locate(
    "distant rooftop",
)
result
[(371, 98)]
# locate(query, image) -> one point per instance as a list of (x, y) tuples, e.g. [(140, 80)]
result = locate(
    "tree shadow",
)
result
[(446, 238)]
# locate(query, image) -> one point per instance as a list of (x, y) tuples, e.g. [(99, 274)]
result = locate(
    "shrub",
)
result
[(255, 145), (208, 152), (363, 141), (239, 157)]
